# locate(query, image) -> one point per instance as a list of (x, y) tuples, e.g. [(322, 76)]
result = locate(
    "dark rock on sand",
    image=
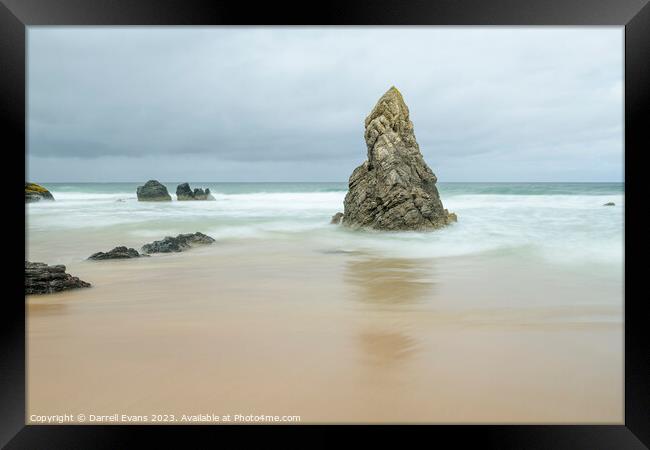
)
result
[(336, 218), (184, 192), (394, 189), (36, 193), (117, 253), (610, 204), (43, 279), (177, 244), (153, 191)]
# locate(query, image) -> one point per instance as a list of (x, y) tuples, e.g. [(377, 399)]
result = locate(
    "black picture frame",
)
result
[(634, 15)]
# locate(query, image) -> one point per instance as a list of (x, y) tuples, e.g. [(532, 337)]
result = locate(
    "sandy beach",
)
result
[(288, 328)]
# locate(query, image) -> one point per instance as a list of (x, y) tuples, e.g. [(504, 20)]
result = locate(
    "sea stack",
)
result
[(153, 191), (184, 192), (394, 189)]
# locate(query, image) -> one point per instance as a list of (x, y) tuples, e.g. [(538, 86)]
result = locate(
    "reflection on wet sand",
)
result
[(386, 348), (386, 283), (386, 286)]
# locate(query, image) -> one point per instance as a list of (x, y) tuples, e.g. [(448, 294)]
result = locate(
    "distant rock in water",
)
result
[(610, 204), (153, 191), (117, 253), (184, 192), (336, 218), (36, 193), (177, 244), (43, 279), (394, 189)]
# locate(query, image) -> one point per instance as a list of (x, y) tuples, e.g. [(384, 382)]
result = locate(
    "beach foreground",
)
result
[(308, 324)]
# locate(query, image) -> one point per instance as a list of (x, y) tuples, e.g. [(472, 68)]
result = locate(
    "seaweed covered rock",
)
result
[(177, 244), (153, 191), (36, 193), (43, 279), (394, 189), (117, 253), (184, 192)]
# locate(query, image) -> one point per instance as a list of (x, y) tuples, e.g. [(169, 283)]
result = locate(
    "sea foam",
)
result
[(564, 226)]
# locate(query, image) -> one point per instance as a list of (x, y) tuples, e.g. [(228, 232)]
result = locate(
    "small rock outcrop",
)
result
[(184, 192), (336, 218), (153, 191), (610, 204), (394, 189), (36, 193), (43, 279), (117, 253), (177, 244)]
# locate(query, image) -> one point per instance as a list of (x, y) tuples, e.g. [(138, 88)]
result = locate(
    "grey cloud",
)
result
[(287, 98)]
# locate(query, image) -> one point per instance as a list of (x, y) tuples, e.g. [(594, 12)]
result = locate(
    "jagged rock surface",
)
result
[(36, 193), (184, 192), (177, 244), (43, 279), (394, 189), (117, 253), (153, 191)]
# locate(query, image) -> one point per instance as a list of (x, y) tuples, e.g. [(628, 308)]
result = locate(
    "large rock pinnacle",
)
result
[(394, 189)]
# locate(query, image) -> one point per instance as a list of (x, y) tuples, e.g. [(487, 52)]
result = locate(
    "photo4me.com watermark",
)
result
[(118, 418)]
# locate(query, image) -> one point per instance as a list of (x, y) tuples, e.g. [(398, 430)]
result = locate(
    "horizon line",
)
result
[(304, 182)]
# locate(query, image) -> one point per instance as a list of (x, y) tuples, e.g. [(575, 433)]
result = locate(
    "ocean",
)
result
[(514, 314), (557, 223)]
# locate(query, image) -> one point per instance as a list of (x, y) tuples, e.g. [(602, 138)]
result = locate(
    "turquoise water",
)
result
[(550, 223)]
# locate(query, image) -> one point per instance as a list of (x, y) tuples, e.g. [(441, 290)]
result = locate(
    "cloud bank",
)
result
[(288, 104)]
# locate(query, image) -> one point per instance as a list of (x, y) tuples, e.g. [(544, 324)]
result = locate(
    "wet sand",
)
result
[(280, 328)]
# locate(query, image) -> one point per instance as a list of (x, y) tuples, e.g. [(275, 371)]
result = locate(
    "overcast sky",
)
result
[(288, 104)]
